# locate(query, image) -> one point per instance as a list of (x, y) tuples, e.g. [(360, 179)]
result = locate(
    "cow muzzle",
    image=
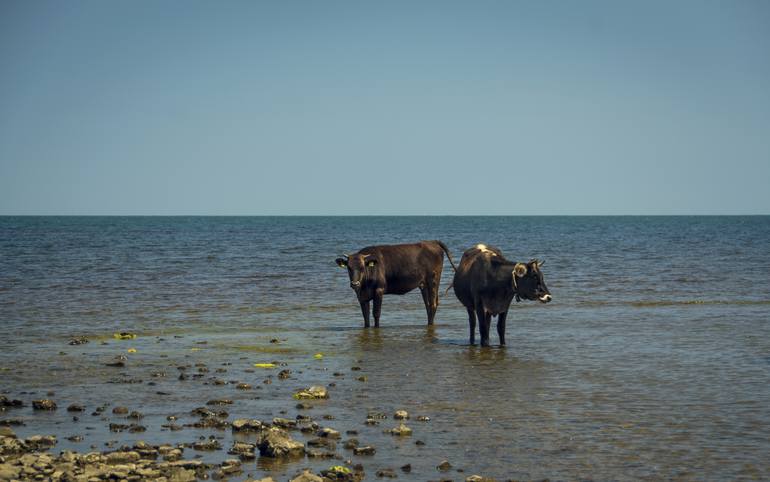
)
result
[(355, 284), (545, 298)]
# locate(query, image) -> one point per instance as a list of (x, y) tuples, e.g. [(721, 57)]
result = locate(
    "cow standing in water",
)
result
[(486, 283), (396, 269)]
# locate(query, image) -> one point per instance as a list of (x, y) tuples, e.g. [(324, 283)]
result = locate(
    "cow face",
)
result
[(528, 282), (360, 267)]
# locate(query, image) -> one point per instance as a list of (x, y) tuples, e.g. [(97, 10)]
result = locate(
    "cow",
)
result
[(486, 283), (396, 269)]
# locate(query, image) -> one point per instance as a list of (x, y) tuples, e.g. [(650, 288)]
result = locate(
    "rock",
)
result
[(342, 474), (376, 415), (40, 442), (243, 450), (350, 444), (135, 428), (365, 450), (275, 442), (322, 442), (307, 476), (78, 340), (419, 442), (423, 418), (303, 406), (120, 410), (285, 423), (363, 378), (5, 402), (284, 374), (231, 466), (203, 412), (247, 425), (243, 386), (478, 478), (209, 445), (172, 455), (75, 408), (401, 415), (401, 431), (327, 432), (135, 415), (444, 466), (387, 473), (319, 454), (223, 401), (7, 432), (44, 404), (122, 457), (314, 392), (406, 468)]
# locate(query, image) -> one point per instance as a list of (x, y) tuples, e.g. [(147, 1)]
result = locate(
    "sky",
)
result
[(384, 108)]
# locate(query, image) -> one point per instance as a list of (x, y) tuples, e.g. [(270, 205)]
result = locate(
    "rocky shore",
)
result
[(295, 443)]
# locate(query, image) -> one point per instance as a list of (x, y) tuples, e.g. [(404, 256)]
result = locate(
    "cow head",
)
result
[(528, 282), (360, 267)]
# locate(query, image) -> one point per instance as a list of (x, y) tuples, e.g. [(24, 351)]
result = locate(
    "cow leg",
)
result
[(426, 299), (484, 320), (501, 327), (377, 307), (472, 324), (365, 312)]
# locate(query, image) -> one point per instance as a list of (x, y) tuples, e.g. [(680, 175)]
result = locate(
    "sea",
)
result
[(652, 361)]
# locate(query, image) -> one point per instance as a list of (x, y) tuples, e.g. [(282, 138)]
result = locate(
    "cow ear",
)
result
[(520, 270), (341, 262), (371, 263)]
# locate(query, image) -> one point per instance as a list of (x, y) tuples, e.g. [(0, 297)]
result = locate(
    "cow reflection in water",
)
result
[(397, 269), (486, 283)]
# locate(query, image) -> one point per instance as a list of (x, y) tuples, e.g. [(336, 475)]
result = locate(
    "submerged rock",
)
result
[(314, 392), (44, 404), (76, 408), (444, 466), (401, 415), (365, 450), (5, 402), (401, 431)]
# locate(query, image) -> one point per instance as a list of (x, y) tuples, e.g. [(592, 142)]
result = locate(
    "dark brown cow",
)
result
[(396, 269), (486, 283)]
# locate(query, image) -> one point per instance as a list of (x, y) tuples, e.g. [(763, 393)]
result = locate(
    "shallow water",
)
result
[(653, 360)]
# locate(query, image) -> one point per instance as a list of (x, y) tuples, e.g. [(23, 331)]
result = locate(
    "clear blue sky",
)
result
[(292, 107)]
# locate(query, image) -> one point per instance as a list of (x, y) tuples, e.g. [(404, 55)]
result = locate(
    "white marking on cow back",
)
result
[(483, 248)]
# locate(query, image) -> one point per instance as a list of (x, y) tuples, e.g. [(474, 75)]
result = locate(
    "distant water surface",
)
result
[(653, 360)]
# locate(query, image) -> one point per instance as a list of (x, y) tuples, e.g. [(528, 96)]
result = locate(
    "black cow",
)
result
[(396, 269), (486, 283)]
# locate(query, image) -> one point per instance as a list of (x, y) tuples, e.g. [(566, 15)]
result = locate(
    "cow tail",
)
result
[(446, 250), (451, 285)]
